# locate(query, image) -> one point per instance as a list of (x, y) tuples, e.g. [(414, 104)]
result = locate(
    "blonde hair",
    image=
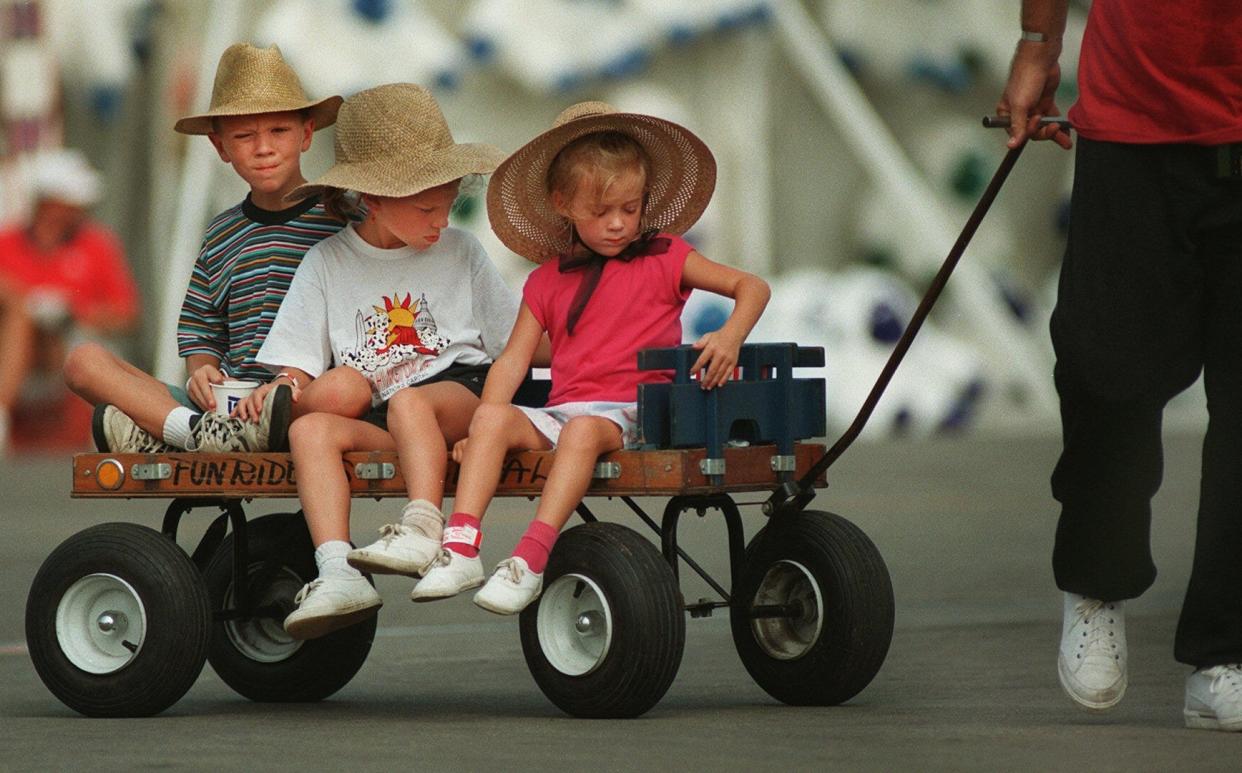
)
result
[(600, 160)]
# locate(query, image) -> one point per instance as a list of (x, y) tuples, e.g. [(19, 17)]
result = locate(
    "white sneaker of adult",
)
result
[(399, 550), (512, 587), (450, 574), (1092, 661), (327, 604), (1214, 698)]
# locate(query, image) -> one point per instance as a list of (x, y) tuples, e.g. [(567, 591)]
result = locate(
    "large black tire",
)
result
[(254, 655), (117, 621), (832, 649), (622, 658)]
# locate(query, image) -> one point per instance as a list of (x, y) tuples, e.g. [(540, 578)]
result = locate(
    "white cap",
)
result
[(65, 175)]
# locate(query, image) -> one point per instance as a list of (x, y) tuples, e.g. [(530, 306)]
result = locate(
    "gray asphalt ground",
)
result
[(970, 682)]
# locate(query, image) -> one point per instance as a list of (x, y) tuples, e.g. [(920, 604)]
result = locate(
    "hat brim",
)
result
[(683, 172), (322, 111), (398, 177)]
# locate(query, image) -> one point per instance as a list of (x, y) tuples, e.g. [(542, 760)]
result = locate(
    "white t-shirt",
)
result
[(396, 316)]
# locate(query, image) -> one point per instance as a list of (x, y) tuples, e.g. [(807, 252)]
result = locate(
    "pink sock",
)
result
[(462, 535), (535, 545)]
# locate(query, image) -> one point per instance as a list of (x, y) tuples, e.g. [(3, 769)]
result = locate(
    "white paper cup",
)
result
[(231, 392)]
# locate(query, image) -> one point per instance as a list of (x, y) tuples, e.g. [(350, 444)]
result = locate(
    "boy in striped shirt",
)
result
[(260, 122)]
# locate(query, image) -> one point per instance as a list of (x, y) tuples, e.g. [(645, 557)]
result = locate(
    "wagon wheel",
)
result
[(829, 605), (252, 653), (117, 621), (606, 637)]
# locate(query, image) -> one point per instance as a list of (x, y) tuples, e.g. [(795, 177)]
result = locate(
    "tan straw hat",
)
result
[(392, 140), (683, 176), (252, 80)]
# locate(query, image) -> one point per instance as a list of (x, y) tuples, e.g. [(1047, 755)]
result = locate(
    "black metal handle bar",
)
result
[(793, 496)]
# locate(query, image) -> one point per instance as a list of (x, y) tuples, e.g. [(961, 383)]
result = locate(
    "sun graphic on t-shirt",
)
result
[(401, 315)]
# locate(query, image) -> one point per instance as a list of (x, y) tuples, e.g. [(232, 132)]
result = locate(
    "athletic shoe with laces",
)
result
[(116, 433), (223, 434), (1092, 661), (328, 604), (512, 587), (450, 574), (1214, 698), (400, 549)]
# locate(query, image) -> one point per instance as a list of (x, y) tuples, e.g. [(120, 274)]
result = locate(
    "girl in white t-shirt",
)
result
[(409, 313)]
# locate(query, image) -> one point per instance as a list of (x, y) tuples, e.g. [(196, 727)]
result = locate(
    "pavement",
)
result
[(965, 526)]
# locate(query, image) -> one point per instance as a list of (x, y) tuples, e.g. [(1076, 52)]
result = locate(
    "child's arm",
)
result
[(750, 295), (510, 368), (204, 370)]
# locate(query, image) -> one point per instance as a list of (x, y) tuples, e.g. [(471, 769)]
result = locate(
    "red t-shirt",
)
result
[(1154, 71), (636, 305), (90, 270)]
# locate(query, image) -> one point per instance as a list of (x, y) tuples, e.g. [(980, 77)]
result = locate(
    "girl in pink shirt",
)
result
[(599, 201)]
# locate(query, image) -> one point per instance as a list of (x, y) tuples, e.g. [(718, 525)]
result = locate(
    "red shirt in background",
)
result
[(636, 305), (90, 271), (1158, 71)]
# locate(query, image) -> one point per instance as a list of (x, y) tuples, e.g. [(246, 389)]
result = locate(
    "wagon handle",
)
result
[(793, 496)]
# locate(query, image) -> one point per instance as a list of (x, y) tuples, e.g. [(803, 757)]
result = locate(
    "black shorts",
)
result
[(469, 376)]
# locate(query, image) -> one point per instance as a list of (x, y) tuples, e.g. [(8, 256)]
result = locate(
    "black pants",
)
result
[(1150, 294)]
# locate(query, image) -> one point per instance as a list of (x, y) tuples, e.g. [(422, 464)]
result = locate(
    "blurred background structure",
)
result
[(847, 134)]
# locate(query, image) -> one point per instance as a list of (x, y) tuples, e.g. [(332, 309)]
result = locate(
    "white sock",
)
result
[(177, 427), (424, 517), (330, 558)]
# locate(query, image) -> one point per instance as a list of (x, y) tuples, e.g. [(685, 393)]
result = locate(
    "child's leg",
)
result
[(423, 421), (99, 376), (519, 579), (17, 336), (494, 431), (340, 596), (341, 391)]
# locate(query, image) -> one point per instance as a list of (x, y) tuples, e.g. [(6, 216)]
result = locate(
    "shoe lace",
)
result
[(442, 558), (1228, 679), (307, 590), (226, 432), (391, 531), (512, 571), (1101, 635)]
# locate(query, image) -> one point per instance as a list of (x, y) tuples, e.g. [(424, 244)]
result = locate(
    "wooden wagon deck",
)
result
[(377, 474)]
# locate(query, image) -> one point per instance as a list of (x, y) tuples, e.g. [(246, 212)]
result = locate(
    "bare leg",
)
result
[(317, 442), (341, 391), (495, 430), (582, 441), (17, 336), (99, 376), (426, 421)]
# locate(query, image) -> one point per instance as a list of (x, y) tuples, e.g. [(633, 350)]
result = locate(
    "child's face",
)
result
[(266, 151), (414, 221), (605, 223)]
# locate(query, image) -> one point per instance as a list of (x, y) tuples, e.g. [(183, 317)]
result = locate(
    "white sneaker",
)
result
[(1092, 662), (512, 587), (450, 574), (327, 604), (117, 433), (399, 550), (1214, 698)]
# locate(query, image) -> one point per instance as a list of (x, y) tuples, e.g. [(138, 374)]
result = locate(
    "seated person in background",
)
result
[(63, 278)]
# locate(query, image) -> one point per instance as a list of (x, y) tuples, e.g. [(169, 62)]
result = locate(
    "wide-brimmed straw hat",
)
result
[(683, 176), (392, 140), (252, 80)]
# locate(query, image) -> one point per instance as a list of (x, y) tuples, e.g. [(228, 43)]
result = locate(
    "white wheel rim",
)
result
[(789, 638), (263, 639), (101, 623), (574, 625)]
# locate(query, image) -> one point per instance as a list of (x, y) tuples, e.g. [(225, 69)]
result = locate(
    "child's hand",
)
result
[(251, 408), (459, 450), (199, 386), (718, 358)]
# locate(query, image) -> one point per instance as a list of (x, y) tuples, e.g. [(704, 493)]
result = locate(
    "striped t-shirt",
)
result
[(242, 273)]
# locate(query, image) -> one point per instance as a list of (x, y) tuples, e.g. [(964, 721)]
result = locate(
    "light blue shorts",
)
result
[(551, 420)]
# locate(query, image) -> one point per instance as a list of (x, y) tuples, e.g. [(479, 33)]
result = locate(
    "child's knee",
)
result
[(584, 432), (312, 431), (82, 363)]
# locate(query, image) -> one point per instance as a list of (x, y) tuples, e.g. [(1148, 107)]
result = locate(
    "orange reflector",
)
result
[(109, 474)]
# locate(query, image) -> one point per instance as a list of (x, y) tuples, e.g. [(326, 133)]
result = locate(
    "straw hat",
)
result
[(683, 176), (252, 80), (392, 140)]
